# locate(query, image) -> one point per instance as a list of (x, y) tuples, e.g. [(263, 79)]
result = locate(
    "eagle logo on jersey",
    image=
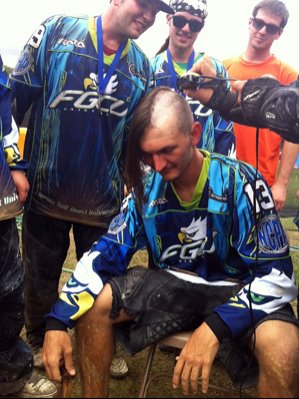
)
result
[(194, 242), (93, 83), (195, 231)]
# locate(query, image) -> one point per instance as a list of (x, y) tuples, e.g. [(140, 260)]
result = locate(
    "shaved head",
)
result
[(168, 108)]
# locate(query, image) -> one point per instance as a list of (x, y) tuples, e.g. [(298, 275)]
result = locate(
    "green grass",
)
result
[(292, 203), (293, 236)]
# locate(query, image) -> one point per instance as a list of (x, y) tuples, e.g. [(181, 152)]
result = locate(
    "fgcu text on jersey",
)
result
[(77, 134)]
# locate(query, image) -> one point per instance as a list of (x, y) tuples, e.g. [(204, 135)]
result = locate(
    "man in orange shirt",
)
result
[(269, 17)]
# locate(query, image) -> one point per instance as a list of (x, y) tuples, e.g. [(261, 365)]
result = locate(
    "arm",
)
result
[(21, 183), (10, 136), (263, 102), (9, 131), (17, 166), (225, 140), (108, 257), (288, 158)]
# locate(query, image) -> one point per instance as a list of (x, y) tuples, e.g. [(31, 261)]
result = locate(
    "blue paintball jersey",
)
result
[(216, 238), (9, 153), (217, 133), (75, 138)]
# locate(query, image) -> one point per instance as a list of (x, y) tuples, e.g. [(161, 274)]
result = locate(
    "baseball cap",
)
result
[(164, 6), (197, 8)]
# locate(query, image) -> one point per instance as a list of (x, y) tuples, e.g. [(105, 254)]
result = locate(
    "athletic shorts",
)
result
[(163, 304)]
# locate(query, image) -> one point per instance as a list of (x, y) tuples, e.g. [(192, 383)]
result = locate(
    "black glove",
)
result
[(267, 103)]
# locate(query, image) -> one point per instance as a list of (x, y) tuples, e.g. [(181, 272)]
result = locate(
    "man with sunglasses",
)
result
[(269, 17), (177, 56)]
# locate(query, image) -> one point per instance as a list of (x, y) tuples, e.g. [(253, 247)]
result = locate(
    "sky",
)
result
[(225, 33)]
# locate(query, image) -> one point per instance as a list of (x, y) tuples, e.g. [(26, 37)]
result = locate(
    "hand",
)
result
[(57, 350), (202, 67), (21, 184), (237, 86), (279, 192), (196, 360)]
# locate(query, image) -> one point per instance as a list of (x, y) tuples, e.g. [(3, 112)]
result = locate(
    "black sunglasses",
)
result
[(180, 21), (271, 29)]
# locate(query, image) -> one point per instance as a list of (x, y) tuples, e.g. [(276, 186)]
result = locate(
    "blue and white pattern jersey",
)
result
[(217, 239), (9, 153), (217, 133), (75, 138)]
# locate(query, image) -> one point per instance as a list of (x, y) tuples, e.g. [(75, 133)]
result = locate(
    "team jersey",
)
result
[(217, 239), (269, 143), (217, 133), (9, 153), (75, 137)]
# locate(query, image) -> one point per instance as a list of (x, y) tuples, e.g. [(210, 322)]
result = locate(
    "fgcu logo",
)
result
[(89, 98), (194, 242), (271, 236)]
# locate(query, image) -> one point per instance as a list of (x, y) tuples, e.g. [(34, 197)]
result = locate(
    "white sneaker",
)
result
[(37, 387), (119, 367)]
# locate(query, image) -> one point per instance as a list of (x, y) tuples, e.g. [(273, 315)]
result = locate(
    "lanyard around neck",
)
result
[(172, 70), (102, 78)]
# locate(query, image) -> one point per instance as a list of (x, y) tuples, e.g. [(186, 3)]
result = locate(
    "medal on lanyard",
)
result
[(172, 70), (103, 80)]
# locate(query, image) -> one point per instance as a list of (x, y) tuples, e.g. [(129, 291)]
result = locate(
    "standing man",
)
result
[(223, 266), (16, 359), (82, 78), (269, 17), (177, 56)]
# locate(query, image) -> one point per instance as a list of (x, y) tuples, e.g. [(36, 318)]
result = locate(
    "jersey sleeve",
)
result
[(108, 257), (9, 130), (27, 78)]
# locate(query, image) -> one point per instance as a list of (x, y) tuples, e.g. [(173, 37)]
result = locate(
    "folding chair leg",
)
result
[(149, 361)]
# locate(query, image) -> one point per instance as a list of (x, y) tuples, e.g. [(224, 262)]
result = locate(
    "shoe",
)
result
[(37, 387), (119, 368), (37, 356)]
